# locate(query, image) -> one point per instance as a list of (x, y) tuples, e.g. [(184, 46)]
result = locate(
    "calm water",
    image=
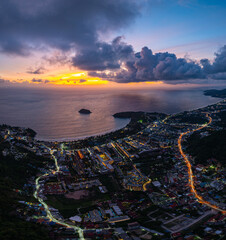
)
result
[(53, 113)]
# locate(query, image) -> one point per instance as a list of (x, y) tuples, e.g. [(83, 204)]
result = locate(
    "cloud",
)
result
[(57, 58), (34, 80), (30, 24), (3, 80), (218, 67), (164, 66), (218, 76), (104, 55), (39, 70), (75, 26), (82, 80), (146, 66)]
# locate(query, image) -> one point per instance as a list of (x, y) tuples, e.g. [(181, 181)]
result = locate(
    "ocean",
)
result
[(53, 112)]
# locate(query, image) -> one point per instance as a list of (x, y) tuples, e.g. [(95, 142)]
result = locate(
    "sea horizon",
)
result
[(53, 113)]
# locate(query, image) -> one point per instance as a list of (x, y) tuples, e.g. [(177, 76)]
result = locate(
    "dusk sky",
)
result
[(106, 42)]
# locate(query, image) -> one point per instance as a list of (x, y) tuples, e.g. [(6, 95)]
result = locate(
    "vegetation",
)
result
[(222, 116), (14, 228), (19, 170), (31, 132), (110, 182), (212, 146), (149, 163), (13, 175), (216, 93), (69, 207), (191, 119)]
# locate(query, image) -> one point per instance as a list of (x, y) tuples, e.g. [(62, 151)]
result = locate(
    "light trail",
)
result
[(45, 205), (145, 185), (190, 173), (80, 230)]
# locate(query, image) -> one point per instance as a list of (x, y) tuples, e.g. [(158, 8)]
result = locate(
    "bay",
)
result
[(53, 112)]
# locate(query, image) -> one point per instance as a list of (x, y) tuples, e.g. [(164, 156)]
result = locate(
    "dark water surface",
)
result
[(53, 113)]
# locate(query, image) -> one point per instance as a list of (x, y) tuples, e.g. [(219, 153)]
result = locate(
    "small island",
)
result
[(116, 171), (84, 111)]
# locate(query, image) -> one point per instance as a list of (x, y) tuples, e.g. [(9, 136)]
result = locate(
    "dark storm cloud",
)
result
[(39, 70), (104, 56), (146, 66), (218, 76), (217, 69), (164, 66), (29, 24), (76, 26)]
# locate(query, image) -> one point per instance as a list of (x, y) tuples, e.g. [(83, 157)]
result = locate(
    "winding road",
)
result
[(45, 205), (190, 173), (80, 230)]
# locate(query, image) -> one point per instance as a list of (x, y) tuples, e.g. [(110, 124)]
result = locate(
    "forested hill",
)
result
[(216, 93), (15, 168), (212, 146)]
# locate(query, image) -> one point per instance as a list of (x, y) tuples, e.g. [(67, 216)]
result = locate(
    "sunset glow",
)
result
[(133, 48), (79, 78), (113, 119)]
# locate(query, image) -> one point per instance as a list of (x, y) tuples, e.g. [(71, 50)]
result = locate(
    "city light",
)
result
[(190, 174)]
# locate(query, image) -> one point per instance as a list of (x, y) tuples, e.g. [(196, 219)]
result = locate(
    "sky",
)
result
[(112, 43)]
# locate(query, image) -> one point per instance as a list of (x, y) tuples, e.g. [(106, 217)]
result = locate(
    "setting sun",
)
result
[(113, 119), (79, 78)]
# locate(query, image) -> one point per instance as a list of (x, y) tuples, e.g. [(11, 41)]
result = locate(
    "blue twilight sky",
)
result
[(196, 28), (46, 41)]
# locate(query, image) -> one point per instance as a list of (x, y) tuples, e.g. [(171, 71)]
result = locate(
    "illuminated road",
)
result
[(49, 214), (80, 230), (145, 185), (190, 174)]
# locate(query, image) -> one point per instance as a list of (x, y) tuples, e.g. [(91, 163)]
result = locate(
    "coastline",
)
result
[(193, 109), (59, 122), (101, 134), (138, 122), (82, 137), (138, 119)]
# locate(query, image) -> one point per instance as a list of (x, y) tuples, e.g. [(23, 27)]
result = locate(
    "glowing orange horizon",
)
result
[(79, 78), (82, 79)]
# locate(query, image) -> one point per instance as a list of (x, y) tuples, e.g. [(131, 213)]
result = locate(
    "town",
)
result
[(142, 182)]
